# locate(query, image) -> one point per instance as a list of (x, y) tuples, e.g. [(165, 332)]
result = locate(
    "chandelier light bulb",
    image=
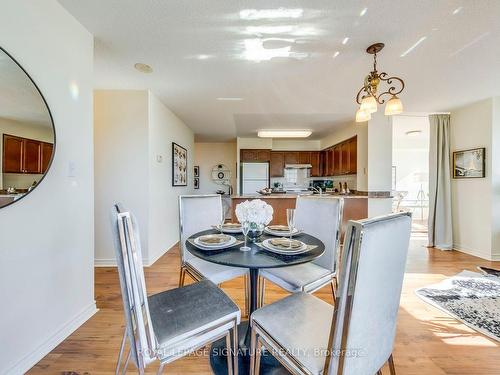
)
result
[(369, 103), (394, 106), (363, 115)]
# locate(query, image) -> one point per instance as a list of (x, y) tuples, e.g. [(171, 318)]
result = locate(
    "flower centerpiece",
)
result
[(257, 214)]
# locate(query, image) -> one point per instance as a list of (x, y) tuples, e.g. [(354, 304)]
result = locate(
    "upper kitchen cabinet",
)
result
[(304, 157), (316, 161), (353, 155), (250, 155), (23, 155), (340, 159), (277, 166), (291, 157)]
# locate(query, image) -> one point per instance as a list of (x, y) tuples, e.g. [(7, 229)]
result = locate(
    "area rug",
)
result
[(470, 297)]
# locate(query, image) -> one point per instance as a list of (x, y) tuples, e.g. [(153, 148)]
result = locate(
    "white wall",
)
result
[(46, 243), (208, 155), (471, 127), (134, 132), (495, 179), (121, 163), (165, 128)]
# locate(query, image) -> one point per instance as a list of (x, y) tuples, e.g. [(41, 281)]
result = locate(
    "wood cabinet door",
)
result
[(248, 155), (277, 164), (304, 157), (353, 156), (263, 155), (32, 156), (315, 160), (291, 157), (12, 154), (47, 149), (337, 166), (344, 162)]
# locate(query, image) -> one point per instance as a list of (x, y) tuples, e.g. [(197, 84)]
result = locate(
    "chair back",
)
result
[(197, 213), (322, 218), (133, 286), (370, 283)]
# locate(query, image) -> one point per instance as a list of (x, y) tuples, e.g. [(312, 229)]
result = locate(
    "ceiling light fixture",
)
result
[(230, 99), (284, 133), (367, 96), (259, 14), (345, 40), (143, 68), (413, 133), (413, 47), (363, 12)]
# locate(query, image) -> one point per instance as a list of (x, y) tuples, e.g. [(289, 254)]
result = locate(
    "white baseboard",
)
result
[(474, 252), (59, 336), (147, 262)]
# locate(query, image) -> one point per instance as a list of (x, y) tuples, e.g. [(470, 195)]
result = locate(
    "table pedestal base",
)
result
[(268, 364)]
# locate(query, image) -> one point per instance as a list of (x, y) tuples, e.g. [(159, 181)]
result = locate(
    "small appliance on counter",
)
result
[(321, 184)]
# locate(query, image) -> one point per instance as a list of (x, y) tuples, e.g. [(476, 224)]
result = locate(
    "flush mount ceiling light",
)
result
[(230, 99), (260, 14), (413, 133), (368, 97), (284, 133), (143, 68)]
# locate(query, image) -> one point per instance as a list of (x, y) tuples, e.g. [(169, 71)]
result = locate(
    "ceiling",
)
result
[(20, 100), (200, 51)]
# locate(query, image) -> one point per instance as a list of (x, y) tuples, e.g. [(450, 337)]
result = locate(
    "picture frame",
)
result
[(179, 165), (196, 170), (196, 183), (469, 163)]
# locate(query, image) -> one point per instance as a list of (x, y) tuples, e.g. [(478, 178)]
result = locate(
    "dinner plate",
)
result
[(272, 232), (224, 245), (282, 250), (229, 229)]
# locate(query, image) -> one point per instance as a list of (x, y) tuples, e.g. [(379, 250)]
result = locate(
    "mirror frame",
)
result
[(51, 121)]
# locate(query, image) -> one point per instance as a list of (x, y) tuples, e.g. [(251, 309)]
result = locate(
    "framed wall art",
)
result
[(469, 163), (179, 165)]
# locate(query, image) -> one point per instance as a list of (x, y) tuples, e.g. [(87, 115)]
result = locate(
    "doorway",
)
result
[(410, 170)]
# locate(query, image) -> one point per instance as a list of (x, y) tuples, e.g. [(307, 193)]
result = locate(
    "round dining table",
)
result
[(255, 259)]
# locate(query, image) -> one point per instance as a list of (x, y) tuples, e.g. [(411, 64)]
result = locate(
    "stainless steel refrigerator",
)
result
[(254, 177)]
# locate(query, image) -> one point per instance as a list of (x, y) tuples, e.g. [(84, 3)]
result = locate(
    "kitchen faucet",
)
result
[(317, 189)]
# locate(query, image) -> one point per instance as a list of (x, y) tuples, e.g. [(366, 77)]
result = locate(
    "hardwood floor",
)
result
[(427, 341)]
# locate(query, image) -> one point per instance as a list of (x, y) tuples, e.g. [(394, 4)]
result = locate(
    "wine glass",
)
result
[(222, 220), (290, 219), (245, 228)]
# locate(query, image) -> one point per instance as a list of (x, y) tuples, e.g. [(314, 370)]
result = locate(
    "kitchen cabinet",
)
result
[(277, 165), (304, 157), (340, 159), (344, 161), (337, 165), (291, 157), (250, 155), (316, 160), (353, 156), (23, 155)]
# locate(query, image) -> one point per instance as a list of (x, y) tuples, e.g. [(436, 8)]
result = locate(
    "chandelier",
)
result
[(368, 97)]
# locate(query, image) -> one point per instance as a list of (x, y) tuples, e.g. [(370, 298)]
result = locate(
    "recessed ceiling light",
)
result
[(345, 40), (336, 54), (413, 46), (363, 12), (413, 133), (284, 133), (259, 14), (143, 68), (456, 11), (230, 99)]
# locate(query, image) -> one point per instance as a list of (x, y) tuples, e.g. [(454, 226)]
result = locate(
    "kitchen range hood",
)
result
[(298, 166)]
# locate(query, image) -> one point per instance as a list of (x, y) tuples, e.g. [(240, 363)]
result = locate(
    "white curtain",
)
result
[(440, 226)]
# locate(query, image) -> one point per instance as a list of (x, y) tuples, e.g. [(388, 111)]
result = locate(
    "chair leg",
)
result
[(235, 348), (253, 338), (247, 297), (257, 357), (229, 356), (160, 369), (262, 291), (129, 354), (333, 285), (122, 347), (392, 368), (182, 276)]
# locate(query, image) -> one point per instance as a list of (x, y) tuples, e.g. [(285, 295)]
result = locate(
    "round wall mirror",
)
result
[(27, 135)]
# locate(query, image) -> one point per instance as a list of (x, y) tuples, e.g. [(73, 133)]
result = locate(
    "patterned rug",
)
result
[(470, 297)]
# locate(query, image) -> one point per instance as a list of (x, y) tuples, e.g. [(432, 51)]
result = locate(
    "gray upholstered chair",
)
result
[(197, 213), (322, 218), (309, 336), (170, 324)]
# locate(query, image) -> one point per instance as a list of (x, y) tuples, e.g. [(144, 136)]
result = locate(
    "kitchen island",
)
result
[(355, 206)]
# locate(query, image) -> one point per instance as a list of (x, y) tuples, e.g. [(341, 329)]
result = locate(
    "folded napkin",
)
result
[(279, 228), (309, 248), (222, 246)]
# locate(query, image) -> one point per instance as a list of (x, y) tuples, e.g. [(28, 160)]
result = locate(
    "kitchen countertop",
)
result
[(289, 196)]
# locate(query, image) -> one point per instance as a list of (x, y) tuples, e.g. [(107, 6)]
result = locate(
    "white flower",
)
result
[(254, 211)]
